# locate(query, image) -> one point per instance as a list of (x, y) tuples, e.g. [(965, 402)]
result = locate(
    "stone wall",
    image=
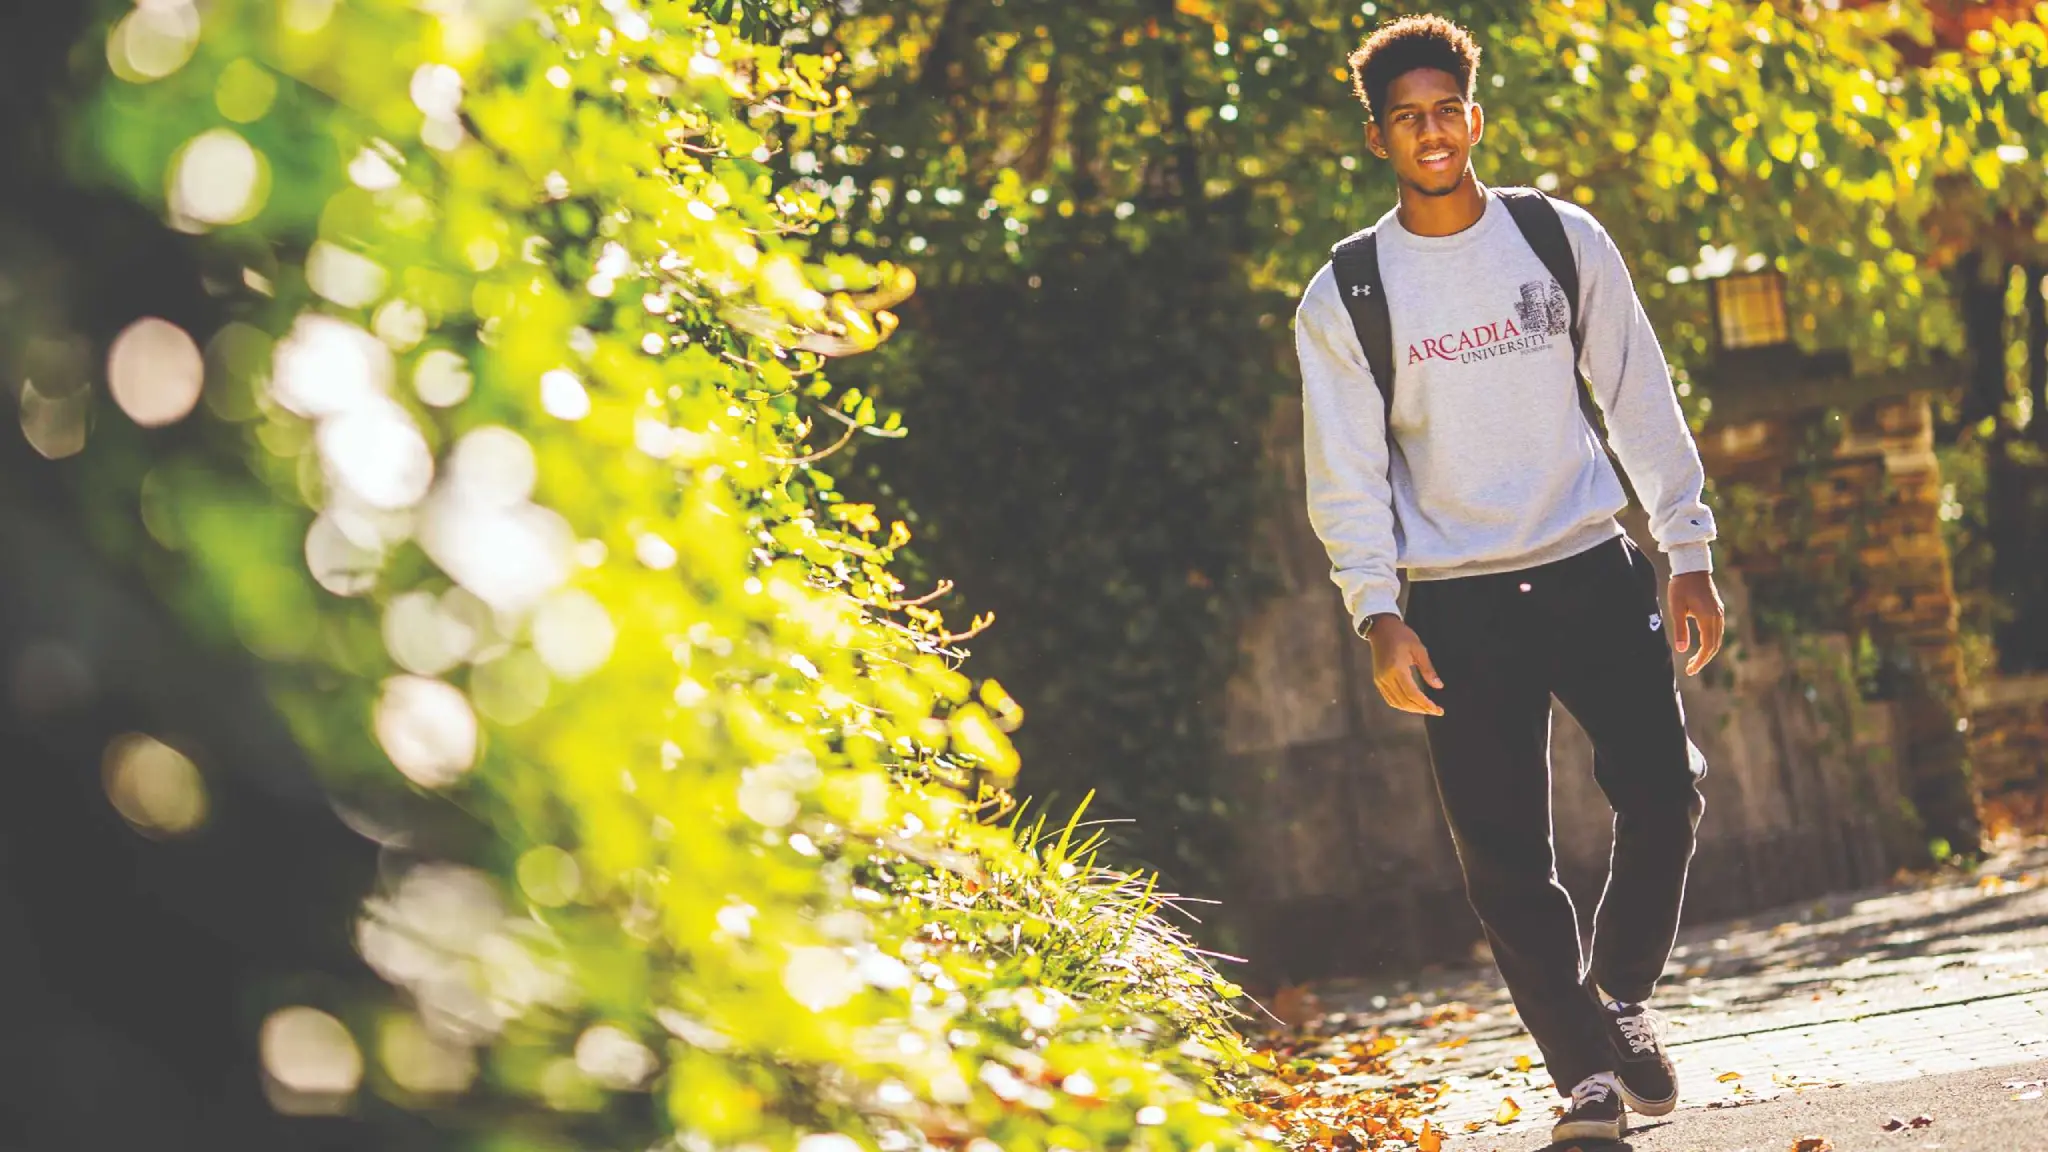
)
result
[(1342, 863)]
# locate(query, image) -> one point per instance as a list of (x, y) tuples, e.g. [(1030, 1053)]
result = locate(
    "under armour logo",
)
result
[(1361, 289), (1656, 621)]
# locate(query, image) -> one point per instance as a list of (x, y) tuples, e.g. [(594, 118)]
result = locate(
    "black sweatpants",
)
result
[(1588, 630)]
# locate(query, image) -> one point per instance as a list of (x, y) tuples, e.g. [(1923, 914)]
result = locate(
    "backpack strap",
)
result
[(1355, 262), (1537, 217), (1543, 229)]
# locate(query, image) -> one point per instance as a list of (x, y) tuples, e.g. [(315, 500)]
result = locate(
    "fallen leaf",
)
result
[(1812, 1144), (1295, 1005), (1456, 1010), (1922, 1121), (1894, 1124), (1521, 1063), (1729, 1077), (1459, 1042), (1431, 1140), (1507, 1111)]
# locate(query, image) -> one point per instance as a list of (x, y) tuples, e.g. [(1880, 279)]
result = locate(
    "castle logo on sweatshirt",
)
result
[(1540, 314)]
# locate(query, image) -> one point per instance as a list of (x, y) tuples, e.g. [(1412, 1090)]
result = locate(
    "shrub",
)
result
[(509, 472)]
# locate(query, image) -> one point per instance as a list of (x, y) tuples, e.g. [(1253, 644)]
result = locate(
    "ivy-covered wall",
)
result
[(1835, 516)]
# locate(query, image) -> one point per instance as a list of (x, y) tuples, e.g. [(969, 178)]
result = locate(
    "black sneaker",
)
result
[(1649, 1084), (1596, 1111)]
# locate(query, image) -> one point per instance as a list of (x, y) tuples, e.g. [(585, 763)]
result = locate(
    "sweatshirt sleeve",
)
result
[(1350, 500), (1632, 384)]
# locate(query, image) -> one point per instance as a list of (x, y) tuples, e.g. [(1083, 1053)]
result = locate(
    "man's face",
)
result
[(1427, 131)]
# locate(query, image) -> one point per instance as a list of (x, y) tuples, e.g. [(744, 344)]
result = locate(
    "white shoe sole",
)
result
[(1589, 1130), (1642, 1107)]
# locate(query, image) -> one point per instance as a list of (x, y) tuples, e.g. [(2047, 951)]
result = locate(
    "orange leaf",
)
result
[(1431, 1140), (1507, 1112), (1521, 1063), (1460, 1042), (1729, 1077), (1812, 1144)]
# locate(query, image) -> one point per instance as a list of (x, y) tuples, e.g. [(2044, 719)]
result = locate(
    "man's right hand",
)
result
[(1398, 657)]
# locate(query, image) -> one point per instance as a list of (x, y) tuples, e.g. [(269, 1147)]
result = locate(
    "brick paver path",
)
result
[(1864, 988)]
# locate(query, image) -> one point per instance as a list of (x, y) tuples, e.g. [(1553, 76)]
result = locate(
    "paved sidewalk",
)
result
[(1917, 980), (1987, 1111)]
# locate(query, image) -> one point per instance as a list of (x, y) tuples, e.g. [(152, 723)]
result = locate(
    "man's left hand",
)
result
[(1693, 597)]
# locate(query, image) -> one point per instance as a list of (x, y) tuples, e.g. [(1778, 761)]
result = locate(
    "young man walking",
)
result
[(1441, 352)]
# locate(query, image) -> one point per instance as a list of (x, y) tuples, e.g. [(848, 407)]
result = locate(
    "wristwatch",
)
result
[(1365, 629)]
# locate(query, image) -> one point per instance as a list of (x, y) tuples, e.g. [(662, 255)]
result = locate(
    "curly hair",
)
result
[(1401, 46)]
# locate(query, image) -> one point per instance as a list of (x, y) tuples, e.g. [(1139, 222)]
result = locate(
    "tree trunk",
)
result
[(1981, 298), (2017, 482), (2037, 355), (2010, 476)]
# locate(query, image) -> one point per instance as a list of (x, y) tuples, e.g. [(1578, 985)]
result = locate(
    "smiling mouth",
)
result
[(1432, 159)]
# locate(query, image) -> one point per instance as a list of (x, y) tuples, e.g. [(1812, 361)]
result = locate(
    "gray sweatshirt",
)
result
[(1494, 466)]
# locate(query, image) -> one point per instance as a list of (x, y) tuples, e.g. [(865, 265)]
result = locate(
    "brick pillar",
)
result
[(1842, 529), (1906, 592)]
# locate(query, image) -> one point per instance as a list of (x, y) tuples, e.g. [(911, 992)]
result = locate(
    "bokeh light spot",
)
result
[(549, 876), (427, 729), (307, 16), (339, 564), (377, 454), (563, 395), (655, 552), (508, 557), (350, 279), (422, 1062), (217, 178), (153, 786), (400, 324), (153, 41), (766, 797), (155, 372), (442, 379), (614, 1059), (437, 91), (423, 636), (237, 363), (819, 978), (372, 170), (495, 466), (312, 1058), (573, 634), (325, 366), (54, 425), (244, 91)]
